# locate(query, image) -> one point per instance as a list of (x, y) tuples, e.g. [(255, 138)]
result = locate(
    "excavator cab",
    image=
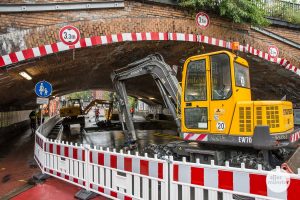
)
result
[(217, 99), (212, 83), (71, 108)]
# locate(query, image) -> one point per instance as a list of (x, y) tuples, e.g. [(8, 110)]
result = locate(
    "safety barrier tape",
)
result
[(44, 50)]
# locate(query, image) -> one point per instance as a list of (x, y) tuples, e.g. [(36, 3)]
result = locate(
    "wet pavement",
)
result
[(17, 165), (52, 188), (116, 139)]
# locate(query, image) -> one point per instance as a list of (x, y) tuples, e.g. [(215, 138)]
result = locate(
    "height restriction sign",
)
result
[(202, 20), (69, 35), (273, 51)]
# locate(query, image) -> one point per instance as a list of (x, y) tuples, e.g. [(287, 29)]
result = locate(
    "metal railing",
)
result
[(279, 9)]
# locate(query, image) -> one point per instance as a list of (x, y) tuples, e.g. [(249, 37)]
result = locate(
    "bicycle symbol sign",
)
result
[(69, 35), (202, 20)]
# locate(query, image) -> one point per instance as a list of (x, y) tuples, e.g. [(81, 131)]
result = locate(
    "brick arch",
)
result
[(141, 20), (44, 50)]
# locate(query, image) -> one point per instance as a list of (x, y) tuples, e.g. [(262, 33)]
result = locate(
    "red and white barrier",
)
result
[(45, 50), (124, 176), (222, 182), (195, 137), (66, 161), (132, 175)]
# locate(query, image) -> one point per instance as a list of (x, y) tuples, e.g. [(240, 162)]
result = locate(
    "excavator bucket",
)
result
[(293, 163)]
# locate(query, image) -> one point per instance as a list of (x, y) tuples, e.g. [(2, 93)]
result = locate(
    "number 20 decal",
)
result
[(221, 126)]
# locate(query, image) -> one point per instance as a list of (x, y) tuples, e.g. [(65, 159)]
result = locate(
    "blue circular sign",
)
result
[(43, 89)]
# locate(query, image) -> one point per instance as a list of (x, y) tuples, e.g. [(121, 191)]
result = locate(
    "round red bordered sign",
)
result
[(202, 20), (69, 35), (273, 51)]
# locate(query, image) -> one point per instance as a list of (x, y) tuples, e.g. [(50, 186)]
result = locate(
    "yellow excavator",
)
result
[(214, 112), (108, 111), (72, 113)]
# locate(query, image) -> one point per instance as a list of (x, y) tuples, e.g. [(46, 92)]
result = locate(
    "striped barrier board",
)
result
[(65, 161), (38, 150), (228, 180), (131, 175), (44, 50), (117, 175)]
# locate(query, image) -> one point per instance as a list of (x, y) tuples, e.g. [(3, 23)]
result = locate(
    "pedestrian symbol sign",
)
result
[(43, 89)]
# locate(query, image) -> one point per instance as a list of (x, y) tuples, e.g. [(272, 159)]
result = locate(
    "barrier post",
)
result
[(44, 156), (173, 187), (166, 189), (87, 168)]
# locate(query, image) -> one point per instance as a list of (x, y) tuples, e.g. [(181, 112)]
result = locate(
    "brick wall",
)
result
[(26, 30)]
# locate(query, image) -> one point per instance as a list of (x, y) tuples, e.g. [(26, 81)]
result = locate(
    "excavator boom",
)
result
[(165, 79)]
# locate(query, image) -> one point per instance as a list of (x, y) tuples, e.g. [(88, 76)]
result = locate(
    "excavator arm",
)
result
[(165, 79), (100, 102)]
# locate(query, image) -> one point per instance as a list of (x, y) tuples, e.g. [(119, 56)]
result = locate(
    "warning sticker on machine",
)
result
[(220, 126)]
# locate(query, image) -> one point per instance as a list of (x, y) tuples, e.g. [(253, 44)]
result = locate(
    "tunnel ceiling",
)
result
[(90, 68)]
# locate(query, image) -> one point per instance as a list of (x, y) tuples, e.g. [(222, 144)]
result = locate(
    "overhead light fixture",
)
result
[(140, 98), (151, 98), (25, 75)]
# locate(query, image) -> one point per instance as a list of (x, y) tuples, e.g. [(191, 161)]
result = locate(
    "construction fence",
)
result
[(127, 176)]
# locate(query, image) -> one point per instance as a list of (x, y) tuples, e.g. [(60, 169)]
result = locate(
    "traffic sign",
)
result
[(69, 35), (43, 89), (273, 51), (42, 101), (202, 20)]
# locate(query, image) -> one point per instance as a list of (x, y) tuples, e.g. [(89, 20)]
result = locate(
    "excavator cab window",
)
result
[(220, 77), (196, 81), (241, 75), (196, 91)]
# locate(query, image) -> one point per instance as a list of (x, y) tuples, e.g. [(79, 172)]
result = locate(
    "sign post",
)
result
[(43, 90)]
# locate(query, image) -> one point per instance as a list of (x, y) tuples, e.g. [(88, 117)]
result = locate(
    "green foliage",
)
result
[(84, 95), (132, 102), (108, 96), (239, 11)]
